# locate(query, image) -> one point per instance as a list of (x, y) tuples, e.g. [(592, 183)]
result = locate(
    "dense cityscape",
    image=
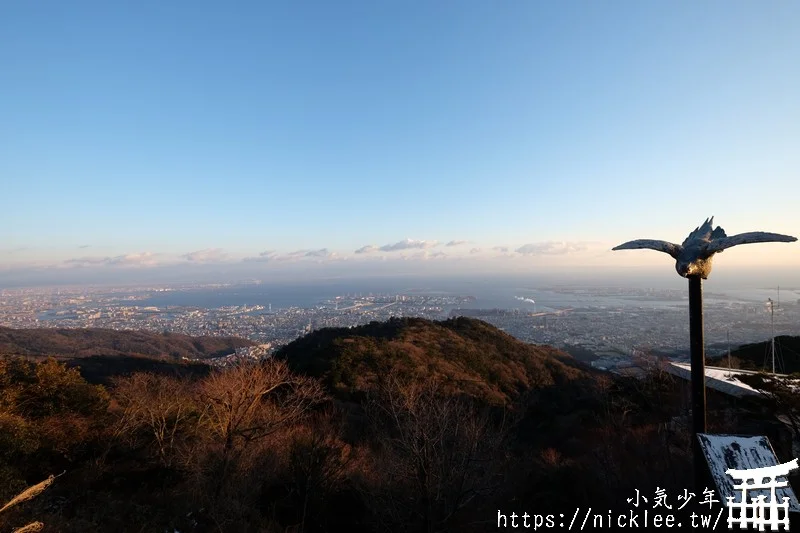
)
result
[(593, 324)]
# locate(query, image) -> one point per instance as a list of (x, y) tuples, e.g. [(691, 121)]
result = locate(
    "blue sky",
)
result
[(179, 132)]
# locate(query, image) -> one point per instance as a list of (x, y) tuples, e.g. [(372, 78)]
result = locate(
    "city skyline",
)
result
[(359, 138)]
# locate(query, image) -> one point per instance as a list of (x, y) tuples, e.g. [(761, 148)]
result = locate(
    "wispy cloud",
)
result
[(263, 257), (13, 250), (367, 249), (424, 255), (209, 255), (322, 252), (291, 256), (142, 259), (409, 244), (551, 248), (83, 246), (406, 250), (299, 255), (86, 261)]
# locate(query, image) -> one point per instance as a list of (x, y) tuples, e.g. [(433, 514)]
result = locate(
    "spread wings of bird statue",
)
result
[(693, 257)]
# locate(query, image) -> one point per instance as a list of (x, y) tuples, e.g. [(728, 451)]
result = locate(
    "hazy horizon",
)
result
[(787, 279)]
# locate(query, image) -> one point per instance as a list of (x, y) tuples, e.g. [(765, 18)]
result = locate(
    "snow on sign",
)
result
[(747, 465)]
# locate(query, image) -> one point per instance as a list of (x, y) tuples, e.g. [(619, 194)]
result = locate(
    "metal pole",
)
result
[(698, 377)]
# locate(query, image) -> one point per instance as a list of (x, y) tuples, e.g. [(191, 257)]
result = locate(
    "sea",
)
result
[(523, 294)]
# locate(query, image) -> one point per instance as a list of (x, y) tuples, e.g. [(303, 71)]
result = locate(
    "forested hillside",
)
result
[(407, 425)]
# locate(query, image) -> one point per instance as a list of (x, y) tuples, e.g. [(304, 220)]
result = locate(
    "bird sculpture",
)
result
[(693, 257)]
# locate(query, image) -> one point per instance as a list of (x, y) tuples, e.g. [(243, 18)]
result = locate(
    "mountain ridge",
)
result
[(469, 355)]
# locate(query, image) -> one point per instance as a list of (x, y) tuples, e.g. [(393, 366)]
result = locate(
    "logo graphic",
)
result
[(760, 485)]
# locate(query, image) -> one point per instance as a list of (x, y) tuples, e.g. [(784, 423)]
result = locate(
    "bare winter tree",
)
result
[(158, 409), (248, 402), (318, 461), (439, 453)]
